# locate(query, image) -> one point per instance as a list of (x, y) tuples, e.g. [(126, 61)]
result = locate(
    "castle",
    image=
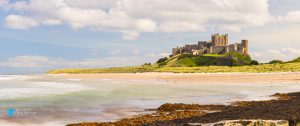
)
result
[(217, 45)]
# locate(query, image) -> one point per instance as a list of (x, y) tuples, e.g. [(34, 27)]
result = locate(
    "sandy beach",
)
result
[(290, 77)]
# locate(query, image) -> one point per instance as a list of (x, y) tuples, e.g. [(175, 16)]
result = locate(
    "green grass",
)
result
[(213, 55), (205, 60), (134, 69), (286, 67), (188, 60), (185, 63)]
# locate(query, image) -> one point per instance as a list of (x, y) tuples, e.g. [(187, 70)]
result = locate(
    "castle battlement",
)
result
[(218, 45)]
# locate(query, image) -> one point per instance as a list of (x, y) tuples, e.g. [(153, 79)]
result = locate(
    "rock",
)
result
[(245, 123)]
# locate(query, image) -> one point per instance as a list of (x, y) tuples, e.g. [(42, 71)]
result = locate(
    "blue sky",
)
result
[(38, 35)]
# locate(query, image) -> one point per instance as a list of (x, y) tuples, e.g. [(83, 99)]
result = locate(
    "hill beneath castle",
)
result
[(188, 60)]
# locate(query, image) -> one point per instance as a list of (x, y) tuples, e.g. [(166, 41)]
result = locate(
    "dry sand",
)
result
[(290, 77)]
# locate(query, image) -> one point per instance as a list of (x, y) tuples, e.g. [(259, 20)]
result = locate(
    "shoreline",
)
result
[(189, 80), (284, 107), (281, 77)]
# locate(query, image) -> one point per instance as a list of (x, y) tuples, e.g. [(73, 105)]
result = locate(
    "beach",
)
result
[(277, 108), (286, 77), (61, 99)]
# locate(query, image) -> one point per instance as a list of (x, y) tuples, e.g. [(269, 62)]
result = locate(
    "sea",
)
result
[(42, 100)]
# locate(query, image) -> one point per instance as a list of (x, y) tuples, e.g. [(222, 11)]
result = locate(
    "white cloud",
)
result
[(284, 54), (30, 62), (157, 56), (291, 17), (146, 25), (130, 35), (52, 22), (3, 3), (103, 4), (20, 22), (131, 17), (43, 62), (275, 55), (256, 55), (174, 26)]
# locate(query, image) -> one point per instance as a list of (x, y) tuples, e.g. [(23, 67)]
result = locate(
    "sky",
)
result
[(40, 35)]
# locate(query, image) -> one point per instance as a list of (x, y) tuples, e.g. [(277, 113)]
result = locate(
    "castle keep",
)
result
[(217, 45)]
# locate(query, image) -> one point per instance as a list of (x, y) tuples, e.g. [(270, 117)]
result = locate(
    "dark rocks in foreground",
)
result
[(285, 108), (245, 123)]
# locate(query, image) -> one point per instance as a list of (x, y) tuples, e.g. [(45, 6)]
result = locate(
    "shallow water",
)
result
[(44, 100)]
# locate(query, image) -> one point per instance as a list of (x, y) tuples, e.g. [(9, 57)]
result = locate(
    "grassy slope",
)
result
[(187, 60), (178, 61), (286, 67), (134, 69), (292, 66)]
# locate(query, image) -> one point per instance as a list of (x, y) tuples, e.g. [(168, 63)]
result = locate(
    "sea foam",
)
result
[(13, 77), (39, 89)]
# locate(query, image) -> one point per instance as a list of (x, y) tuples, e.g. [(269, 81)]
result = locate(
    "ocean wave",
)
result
[(74, 79), (52, 123), (40, 89), (13, 77)]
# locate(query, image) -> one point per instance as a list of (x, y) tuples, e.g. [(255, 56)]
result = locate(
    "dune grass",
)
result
[(284, 67), (134, 69)]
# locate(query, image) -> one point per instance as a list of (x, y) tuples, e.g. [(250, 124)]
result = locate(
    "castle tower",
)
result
[(226, 39), (245, 46), (219, 40), (214, 39), (175, 51)]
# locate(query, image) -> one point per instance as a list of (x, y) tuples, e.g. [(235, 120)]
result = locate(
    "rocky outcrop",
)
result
[(245, 123), (282, 111)]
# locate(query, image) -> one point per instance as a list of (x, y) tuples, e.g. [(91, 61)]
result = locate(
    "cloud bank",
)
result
[(43, 62), (284, 54), (131, 17)]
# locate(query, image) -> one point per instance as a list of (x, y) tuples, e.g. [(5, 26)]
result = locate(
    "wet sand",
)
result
[(291, 77)]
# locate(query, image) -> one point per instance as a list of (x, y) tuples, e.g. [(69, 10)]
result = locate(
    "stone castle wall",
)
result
[(219, 40), (217, 49), (218, 45)]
